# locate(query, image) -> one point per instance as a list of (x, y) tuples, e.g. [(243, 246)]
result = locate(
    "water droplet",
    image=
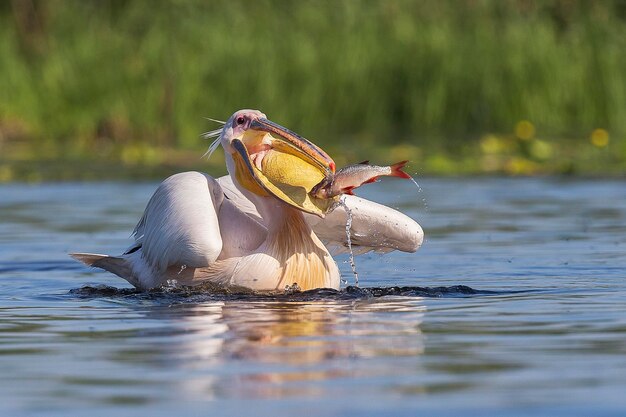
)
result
[(419, 190), (290, 289)]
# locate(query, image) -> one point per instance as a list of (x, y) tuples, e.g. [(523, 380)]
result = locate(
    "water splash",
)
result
[(170, 284), (342, 201), (419, 190), (290, 289)]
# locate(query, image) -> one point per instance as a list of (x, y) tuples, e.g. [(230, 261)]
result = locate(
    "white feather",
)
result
[(215, 144), (216, 133), (180, 224), (375, 227), (216, 121)]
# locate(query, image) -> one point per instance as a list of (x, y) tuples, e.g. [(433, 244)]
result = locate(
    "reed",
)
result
[(78, 77)]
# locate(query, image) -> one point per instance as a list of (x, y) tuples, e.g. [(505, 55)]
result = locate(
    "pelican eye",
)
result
[(241, 120)]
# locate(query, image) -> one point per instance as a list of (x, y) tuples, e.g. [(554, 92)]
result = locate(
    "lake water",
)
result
[(541, 329)]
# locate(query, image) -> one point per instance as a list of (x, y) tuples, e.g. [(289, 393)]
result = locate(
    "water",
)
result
[(529, 319), (342, 202)]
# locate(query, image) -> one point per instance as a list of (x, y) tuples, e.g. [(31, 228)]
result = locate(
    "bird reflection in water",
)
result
[(274, 349)]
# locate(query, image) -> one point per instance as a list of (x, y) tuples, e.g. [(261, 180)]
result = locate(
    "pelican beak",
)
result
[(273, 160), (290, 142)]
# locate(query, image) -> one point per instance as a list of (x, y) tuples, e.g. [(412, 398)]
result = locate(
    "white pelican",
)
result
[(256, 228)]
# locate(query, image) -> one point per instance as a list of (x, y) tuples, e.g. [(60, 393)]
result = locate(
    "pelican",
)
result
[(256, 228)]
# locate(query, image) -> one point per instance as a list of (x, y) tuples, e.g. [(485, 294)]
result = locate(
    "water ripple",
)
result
[(199, 293)]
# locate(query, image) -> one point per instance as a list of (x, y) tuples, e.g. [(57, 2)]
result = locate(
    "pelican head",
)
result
[(270, 160)]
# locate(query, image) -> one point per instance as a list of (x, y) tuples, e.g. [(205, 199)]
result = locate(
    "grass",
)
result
[(450, 84)]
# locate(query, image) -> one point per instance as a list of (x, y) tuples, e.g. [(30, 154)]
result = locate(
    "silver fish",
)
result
[(353, 176)]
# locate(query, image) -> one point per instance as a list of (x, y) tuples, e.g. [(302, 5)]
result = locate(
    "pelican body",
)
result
[(259, 227)]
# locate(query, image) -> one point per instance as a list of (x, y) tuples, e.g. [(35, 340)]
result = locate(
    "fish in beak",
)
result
[(272, 160)]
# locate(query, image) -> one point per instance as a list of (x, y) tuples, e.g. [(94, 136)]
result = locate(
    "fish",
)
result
[(353, 176)]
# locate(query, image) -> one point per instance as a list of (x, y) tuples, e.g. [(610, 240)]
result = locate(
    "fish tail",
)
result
[(396, 170), (348, 190)]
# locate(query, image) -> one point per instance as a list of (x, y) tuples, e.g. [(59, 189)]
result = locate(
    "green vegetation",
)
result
[(113, 88)]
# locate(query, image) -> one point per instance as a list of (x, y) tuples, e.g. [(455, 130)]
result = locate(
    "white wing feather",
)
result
[(375, 227), (189, 222), (180, 224)]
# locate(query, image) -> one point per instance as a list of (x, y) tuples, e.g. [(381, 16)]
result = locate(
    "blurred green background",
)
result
[(119, 89)]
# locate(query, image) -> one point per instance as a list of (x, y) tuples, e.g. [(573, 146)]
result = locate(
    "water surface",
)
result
[(521, 309)]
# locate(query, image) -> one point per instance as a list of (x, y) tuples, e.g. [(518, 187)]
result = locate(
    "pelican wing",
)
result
[(188, 222), (375, 227)]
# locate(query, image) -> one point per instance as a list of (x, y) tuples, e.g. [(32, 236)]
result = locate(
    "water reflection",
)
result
[(274, 349)]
